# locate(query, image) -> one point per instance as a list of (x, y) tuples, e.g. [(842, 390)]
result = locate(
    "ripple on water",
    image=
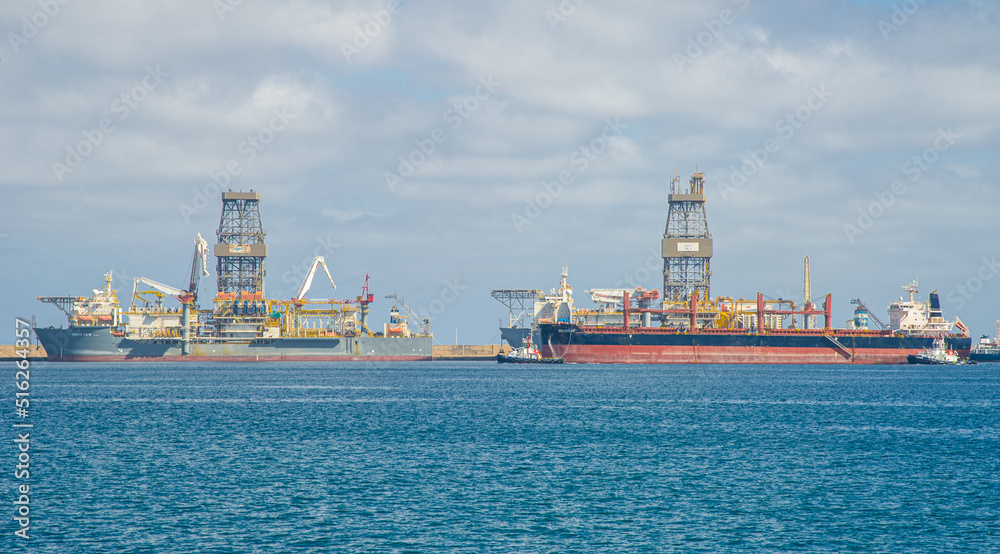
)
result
[(446, 456)]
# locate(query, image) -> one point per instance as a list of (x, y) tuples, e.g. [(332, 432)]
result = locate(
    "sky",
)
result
[(451, 148)]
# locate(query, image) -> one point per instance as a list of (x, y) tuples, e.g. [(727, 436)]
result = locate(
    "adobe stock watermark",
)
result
[(455, 116), (784, 129), (248, 150), (581, 160), (884, 199), (901, 14), (121, 106), (450, 292), (700, 42), (22, 429), (562, 12), (652, 265), (961, 294), (32, 25), (225, 7), (365, 34)]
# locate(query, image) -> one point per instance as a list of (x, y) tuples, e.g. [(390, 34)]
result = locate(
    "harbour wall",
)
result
[(468, 351)]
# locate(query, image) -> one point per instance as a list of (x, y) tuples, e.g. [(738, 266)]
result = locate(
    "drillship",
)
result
[(241, 325), (684, 329)]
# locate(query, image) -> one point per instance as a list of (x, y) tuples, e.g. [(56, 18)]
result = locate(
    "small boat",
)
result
[(526, 354), (523, 355), (938, 355)]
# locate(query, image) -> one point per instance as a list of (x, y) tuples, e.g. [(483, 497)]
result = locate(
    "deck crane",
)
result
[(199, 269), (610, 298), (425, 323), (317, 262), (871, 315), (200, 261), (159, 289), (364, 301)]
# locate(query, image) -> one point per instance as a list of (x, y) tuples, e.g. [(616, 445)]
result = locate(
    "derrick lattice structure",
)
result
[(687, 243), (241, 250)]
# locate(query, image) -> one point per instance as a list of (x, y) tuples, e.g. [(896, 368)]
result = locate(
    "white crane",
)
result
[(200, 261), (611, 298), (199, 269), (317, 262), (165, 289)]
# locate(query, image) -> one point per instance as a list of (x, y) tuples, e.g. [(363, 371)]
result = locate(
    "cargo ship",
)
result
[(988, 350), (680, 328), (241, 324)]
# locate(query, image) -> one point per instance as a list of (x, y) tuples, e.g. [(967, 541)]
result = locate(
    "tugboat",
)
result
[(526, 354), (987, 350), (939, 354)]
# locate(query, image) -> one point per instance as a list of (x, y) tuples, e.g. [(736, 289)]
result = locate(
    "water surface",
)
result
[(462, 456)]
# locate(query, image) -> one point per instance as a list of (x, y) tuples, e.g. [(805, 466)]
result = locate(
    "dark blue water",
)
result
[(447, 456)]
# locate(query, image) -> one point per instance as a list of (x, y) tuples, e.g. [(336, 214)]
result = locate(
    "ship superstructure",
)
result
[(520, 304), (101, 308), (528, 307), (240, 323), (912, 317)]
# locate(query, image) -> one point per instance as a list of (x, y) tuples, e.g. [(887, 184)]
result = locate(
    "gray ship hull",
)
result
[(515, 336), (98, 344)]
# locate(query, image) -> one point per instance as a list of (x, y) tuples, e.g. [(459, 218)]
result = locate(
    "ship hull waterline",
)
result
[(575, 346), (98, 344)]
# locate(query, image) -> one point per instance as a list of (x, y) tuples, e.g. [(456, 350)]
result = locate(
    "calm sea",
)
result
[(463, 456)]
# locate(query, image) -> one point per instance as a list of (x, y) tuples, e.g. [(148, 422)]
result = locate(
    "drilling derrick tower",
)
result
[(241, 249), (687, 244)]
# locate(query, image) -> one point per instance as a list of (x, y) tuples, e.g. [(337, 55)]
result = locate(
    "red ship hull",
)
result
[(655, 346), (618, 354)]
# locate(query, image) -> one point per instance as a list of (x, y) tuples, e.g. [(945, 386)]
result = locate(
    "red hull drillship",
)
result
[(914, 328), (576, 344), (679, 329)]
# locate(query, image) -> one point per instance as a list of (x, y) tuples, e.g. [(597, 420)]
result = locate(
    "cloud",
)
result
[(355, 116)]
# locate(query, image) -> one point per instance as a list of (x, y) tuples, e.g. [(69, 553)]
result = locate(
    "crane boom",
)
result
[(871, 315), (609, 297), (317, 262), (165, 289), (200, 261)]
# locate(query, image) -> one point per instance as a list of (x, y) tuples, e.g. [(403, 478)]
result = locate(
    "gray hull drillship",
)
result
[(99, 343), (241, 325)]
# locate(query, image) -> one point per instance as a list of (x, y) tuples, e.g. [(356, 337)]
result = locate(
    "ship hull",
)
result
[(98, 344), (515, 336), (575, 345)]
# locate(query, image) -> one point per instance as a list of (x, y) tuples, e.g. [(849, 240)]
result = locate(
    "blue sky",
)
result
[(879, 121)]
